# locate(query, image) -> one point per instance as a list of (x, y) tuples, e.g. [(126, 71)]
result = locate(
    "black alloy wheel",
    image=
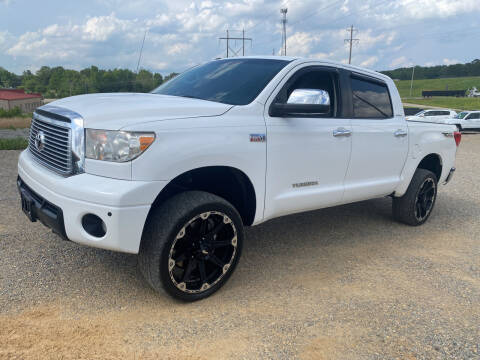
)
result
[(202, 252), (191, 245), (425, 199), (416, 205)]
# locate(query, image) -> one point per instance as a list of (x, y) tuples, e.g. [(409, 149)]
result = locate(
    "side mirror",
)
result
[(303, 102)]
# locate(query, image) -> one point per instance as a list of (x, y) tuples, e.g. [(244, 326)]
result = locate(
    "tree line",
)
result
[(436, 72), (57, 82)]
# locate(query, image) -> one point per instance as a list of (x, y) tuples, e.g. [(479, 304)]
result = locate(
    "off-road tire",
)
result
[(161, 229), (404, 208)]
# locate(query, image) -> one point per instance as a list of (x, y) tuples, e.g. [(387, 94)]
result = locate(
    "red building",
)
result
[(11, 98)]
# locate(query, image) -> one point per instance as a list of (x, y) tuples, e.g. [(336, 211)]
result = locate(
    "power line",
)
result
[(316, 12), (228, 38), (351, 29)]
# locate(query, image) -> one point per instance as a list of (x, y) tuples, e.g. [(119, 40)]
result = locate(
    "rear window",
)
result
[(371, 99)]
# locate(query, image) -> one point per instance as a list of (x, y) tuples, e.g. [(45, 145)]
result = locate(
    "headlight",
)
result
[(117, 146)]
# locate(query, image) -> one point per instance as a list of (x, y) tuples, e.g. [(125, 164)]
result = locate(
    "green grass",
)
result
[(448, 102), (13, 144), (459, 83)]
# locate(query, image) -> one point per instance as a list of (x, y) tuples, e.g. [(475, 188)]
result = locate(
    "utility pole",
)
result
[(351, 40), (228, 38), (411, 81), (284, 30)]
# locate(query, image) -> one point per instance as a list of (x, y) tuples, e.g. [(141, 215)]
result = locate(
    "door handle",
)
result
[(400, 133), (341, 132)]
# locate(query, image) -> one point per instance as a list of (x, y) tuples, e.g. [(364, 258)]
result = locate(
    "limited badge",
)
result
[(258, 137)]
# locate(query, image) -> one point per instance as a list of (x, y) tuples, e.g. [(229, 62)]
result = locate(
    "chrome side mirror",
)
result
[(309, 97)]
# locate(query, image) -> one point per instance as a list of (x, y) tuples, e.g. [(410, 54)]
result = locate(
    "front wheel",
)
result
[(191, 245), (416, 205)]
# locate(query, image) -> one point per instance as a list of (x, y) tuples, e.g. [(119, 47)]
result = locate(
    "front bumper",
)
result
[(122, 205)]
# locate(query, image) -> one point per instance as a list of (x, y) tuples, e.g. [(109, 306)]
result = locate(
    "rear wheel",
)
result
[(416, 205), (191, 245)]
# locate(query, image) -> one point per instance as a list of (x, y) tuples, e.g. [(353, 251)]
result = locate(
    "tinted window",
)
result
[(370, 99), (315, 79), (430, 113), (443, 112), (474, 116), (235, 82)]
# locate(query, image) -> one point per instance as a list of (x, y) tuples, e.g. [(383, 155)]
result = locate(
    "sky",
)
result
[(180, 34)]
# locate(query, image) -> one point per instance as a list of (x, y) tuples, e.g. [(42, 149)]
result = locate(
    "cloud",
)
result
[(450, 61), (181, 33), (100, 28), (401, 61), (301, 43), (369, 62)]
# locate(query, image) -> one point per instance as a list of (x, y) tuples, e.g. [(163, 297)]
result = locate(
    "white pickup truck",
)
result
[(433, 115), (176, 174)]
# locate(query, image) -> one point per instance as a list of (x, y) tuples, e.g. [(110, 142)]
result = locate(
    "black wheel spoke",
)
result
[(219, 244), (188, 270), (419, 209), (203, 227), (201, 268), (216, 229), (214, 259)]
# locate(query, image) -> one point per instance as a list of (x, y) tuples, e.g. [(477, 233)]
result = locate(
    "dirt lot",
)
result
[(340, 283)]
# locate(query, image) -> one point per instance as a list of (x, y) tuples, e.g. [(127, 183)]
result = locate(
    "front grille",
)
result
[(56, 152)]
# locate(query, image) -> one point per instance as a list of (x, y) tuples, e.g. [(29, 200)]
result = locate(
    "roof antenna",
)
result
[(141, 50)]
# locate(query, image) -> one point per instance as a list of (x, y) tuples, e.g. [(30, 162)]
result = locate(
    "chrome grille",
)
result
[(54, 151)]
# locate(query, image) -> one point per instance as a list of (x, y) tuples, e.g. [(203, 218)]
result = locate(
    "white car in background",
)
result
[(433, 115), (466, 120)]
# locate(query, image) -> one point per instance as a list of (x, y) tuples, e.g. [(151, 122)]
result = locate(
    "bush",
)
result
[(13, 144), (15, 112)]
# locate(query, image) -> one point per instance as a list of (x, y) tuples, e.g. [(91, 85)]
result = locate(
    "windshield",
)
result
[(420, 113), (234, 82), (461, 115)]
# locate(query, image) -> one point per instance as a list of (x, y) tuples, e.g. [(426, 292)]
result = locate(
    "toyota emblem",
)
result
[(40, 140)]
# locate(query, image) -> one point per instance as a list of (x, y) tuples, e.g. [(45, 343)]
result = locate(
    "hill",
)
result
[(457, 83)]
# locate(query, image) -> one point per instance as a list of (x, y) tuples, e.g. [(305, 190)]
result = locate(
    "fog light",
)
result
[(93, 225)]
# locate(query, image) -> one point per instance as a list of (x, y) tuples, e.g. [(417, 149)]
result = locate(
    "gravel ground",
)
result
[(339, 283), (10, 133)]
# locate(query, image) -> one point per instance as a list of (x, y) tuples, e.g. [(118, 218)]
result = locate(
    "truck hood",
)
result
[(113, 111)]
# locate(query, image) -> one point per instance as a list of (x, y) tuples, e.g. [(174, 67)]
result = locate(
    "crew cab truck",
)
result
[(175, 175)]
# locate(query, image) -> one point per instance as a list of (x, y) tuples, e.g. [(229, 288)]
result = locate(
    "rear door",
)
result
[(379, 141)]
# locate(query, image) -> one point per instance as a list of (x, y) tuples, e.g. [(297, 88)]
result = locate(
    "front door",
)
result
[(307, 154)]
